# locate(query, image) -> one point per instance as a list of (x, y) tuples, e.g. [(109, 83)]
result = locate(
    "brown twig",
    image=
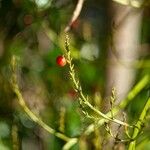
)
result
[(75, 15)]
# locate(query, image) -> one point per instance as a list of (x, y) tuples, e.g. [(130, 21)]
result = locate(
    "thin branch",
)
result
[(138, 125), (22, 103), (78, 88), (75, 15), (70, 143), (132, 94)]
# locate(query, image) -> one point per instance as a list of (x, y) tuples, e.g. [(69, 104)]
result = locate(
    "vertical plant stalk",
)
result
[(15, 138), (25, 108), (62, 119), (106, 117), (77, 87), (75, 15), (138, 125)]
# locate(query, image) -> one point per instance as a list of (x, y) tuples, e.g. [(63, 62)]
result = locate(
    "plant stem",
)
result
[(78, 89), (135, 91), (138, 125), (106, 117), (22, 103)]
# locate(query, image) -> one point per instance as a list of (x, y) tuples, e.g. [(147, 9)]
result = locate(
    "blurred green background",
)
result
[(33, 30)]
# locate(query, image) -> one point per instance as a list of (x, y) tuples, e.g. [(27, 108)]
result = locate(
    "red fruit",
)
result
[(28, 19), (72, 93), (61, 61)]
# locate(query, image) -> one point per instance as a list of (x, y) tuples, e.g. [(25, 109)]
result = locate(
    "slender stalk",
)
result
[(15, 139), (22, 103), (138, 125), (78, 88), (106, 117), (132, 94), (75, 15)]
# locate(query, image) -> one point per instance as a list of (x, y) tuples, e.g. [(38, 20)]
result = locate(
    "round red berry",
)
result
[(61, 61)]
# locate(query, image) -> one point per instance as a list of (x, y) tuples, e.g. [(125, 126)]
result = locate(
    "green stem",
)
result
[(106, 117), (135, 91), (22, 103), (78, 88), (138, 125)]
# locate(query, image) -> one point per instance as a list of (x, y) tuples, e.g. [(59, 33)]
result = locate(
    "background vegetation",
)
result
[(33, 31)]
